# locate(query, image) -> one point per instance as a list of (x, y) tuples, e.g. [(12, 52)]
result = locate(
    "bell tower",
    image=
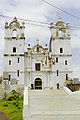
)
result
[(14, 52), (60, 50)]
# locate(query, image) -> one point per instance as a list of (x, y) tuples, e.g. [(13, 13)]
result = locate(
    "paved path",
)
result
[(3, 116)]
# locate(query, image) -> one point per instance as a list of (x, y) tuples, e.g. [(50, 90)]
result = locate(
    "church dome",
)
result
[(14, 23), (60, 22)]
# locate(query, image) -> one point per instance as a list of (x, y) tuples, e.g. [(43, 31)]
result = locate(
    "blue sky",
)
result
[(39, 11)]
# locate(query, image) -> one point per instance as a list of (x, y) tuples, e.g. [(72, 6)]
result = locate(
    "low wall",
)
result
[(73, 87), (9, 88), (70, 92)]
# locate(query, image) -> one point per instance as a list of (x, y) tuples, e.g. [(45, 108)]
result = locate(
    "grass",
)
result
[(13, 109)]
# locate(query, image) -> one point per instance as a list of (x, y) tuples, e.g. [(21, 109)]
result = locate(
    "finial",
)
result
[(60, 19), (46, 47), (6, 24), (37, 41), (68, 24), (14, 19), (52, 25), (29, 47), (23, 24)]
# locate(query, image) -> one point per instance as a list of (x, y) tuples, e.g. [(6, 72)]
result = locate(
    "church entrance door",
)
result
[(38, 83)]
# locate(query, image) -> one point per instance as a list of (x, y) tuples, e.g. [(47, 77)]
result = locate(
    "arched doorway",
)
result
[(38, 83)]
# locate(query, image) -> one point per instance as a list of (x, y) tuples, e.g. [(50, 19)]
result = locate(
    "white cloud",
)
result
[(76, 38)]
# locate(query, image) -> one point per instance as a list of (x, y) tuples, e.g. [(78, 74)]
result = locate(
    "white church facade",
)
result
[(40, 67)]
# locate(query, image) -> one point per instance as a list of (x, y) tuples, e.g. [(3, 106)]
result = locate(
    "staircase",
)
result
[(53, 105)]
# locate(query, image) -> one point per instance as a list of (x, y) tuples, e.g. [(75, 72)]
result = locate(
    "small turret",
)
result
[(59, 19), (29, 48), (6, 24), (23, 24), (14, 19), (52, 29), (68, 29), (46, 48)]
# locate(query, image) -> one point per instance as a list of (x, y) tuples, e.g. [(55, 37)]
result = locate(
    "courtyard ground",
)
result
[(3, 116)]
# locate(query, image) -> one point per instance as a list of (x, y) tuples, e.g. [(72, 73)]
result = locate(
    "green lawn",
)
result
[(13, 109)]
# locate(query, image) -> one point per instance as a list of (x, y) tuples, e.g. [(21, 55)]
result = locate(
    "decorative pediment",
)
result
[(14, 23), (38, 48)]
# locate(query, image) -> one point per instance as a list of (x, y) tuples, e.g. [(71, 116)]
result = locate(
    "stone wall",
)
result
[(73, 87), (9, 88)]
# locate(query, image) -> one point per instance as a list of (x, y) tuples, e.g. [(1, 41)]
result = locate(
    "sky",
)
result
[(39, 11)]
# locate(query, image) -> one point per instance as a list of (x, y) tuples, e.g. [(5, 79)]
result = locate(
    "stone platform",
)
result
[(51, 105)]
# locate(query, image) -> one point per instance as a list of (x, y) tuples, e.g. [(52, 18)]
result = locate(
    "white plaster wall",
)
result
[(61, 63), (19, 44), (61, 43), (8, 49), (61, 78), (12, 69), (31, 76), (9, 32)]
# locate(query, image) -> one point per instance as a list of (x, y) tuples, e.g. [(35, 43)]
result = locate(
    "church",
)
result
[(39, 67)]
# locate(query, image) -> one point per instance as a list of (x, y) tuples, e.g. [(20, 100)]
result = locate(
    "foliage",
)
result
[(12, 107), (5, 95), (5, 104)]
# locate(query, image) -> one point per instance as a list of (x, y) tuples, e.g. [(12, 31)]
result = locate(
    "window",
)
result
[(66, 76), (61, 50), (37, 66), (37, 49), (60, 34), (14, 49), (57, 59), (57, 72), (18, 60), (17, 73), (9, 77), (9, 62), (65, 62), (57, 85)]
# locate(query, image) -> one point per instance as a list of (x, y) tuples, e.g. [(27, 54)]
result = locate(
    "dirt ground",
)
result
[(3, 116)]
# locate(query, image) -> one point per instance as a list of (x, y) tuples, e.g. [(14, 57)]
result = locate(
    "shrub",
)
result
[(21, 98), (5, 104), (19, 107), (17, 104), (15, 94), (5, 95), (14, 111), (10, 98)]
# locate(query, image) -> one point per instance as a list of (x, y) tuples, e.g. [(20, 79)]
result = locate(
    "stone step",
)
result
[(53, 105), (54, 117)]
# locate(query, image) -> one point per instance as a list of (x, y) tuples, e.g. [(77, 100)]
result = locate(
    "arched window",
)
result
[(37, 49), (61, 50), (14, 49), (38, 83), (60, 34), (14, 33)]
